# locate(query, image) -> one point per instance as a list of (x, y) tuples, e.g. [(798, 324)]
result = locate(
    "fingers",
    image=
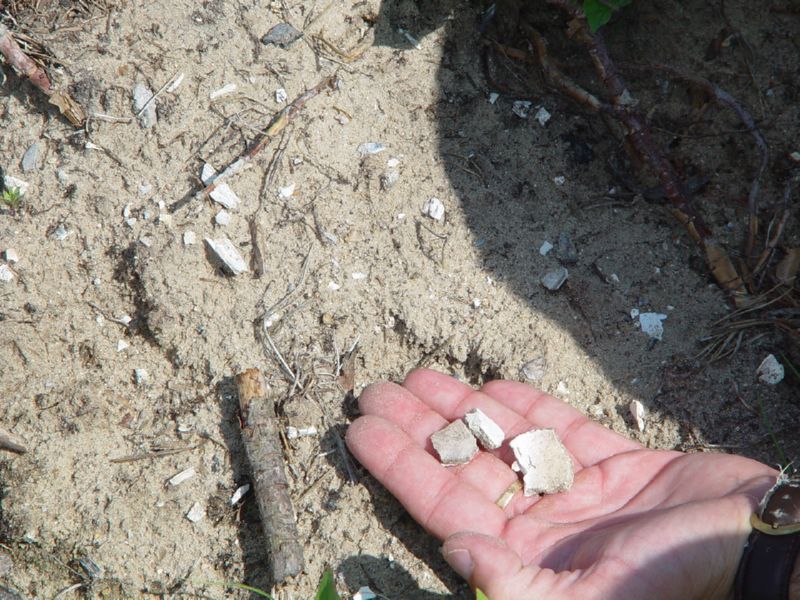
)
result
[(489, 564), (435, 496), (487, 473), (517, 407)]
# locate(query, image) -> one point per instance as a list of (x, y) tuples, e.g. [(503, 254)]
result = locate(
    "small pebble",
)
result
[(281, 96), (30, 160), (189, 238), (566, 253), (553, 280), (534, 369), (6, 274), (11, 255), (141, 95), (196, 513), (222, 218), (434, 208), (282, 34)]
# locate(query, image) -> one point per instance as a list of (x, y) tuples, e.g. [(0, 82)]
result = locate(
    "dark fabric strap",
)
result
[(768, 559)]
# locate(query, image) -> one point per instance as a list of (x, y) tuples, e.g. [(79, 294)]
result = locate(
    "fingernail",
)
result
[(461, 561)]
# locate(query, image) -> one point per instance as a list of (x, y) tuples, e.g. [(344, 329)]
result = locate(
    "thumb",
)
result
[(489, 564)]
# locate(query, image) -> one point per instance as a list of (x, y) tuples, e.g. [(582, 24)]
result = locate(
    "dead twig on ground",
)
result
[(270, 486), (15, 56), (10, 442), (620, 106), (276, 125)]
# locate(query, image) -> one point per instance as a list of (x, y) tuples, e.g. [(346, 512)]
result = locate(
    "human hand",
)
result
[(637, 523)]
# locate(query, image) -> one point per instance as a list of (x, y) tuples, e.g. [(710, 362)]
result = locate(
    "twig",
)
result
[(10, 442), (15, 56), (156, 453), (276, 125), (157, 94), (640, 140), (270, 486)]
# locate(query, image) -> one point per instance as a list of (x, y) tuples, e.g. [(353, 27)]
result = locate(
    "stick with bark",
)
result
[(262, 443), (27, 67)]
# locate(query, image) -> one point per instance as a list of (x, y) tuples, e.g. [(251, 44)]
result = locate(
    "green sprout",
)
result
[(11, 197)]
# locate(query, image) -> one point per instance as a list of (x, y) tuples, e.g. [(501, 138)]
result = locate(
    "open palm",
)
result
[(637, 523)]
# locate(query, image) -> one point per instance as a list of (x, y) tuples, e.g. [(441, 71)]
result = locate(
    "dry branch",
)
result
[(276, 125), (28, 68), (640, 140), (262, 443)]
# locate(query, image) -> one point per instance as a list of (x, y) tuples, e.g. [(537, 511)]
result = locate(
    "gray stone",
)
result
[(30, 160), (566, 253), (554, 279), (534, 369), (141, 96), (282, 34), (455, 444)]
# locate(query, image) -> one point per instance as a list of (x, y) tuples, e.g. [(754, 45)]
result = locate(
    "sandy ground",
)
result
[(119, 340)]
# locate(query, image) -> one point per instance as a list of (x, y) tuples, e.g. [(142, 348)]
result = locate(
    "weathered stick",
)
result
[(10, 442), (262, 443), (27, 67), (278, 123)]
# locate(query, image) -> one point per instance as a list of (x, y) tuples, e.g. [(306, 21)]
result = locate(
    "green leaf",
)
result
[(327, 587), (479, 595), (598, 12)]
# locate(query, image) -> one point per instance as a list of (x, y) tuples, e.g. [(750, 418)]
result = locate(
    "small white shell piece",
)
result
[(488, 432)]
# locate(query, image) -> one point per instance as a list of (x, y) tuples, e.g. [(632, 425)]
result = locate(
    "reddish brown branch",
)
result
[(23, 64)]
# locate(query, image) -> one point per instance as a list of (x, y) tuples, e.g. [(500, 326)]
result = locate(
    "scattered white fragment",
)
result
[(559, 180), (222, 218), (488, 432), (165, 219), (333, 286), (130, 222), (476, 303), (144, 106), (6, 274), (122, 345), (175, 83), (224, 249), (521, 108), (454, 444), (141, 377), (239, 493), (411, 39), (145, 189), (358, 275), (637, 412), (544, 460), (795, 156), (770, 371), (297, 432), (393, 163), (562, 389), (61, 233), (614, 277), (184, 475), (146, 241), (553, 280), (12, 183), (228, 88), (281, 96), (534, 369), (196, 513), (125, 320), (11, 255), (287, 191), (364, 593), (189, 238), (652, 324), (626, 99), (634, 313), (367, 148), (222, 194), (493, 96), (434, 208), (542, 116), (545, 248)]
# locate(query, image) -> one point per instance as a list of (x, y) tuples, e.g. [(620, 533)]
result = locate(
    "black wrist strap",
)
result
[(773, 547)]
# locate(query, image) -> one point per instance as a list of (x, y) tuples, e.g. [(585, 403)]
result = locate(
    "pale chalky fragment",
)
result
[(545, 462), (488, 432), (455, 444)]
